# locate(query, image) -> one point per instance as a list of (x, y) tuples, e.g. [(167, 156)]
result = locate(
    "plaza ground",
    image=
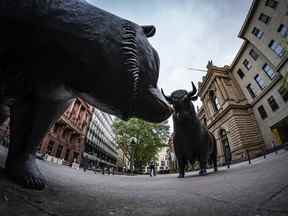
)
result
[(259, 189)]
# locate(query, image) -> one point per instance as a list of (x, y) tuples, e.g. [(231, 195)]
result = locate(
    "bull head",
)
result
[(181, 95)]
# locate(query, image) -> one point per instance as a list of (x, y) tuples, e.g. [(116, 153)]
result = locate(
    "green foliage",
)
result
[(150, 138)]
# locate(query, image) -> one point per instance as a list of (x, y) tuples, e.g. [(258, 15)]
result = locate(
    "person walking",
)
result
[(85, 163), (152, 168), (227, 155)]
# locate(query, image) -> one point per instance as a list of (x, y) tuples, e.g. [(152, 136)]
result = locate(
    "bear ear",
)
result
[(149, 30)]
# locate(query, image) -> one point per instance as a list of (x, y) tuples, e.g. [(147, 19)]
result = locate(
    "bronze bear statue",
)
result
[(53, 51)]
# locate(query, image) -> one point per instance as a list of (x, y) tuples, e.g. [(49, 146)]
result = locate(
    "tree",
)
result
[(140, 141)]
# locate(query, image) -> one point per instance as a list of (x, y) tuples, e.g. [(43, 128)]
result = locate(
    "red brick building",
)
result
[(66, 139)]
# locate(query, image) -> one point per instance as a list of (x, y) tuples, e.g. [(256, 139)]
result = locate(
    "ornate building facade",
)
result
[(101, 146), (228, 115), (245, 104), (65, 141), (261, 67)]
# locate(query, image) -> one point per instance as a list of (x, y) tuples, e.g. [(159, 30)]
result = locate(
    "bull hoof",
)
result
[(203, 173), (215, 169), (26, 174), (180, 176)]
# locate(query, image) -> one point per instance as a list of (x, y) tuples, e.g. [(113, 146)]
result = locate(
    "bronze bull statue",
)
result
[(192, 140), (55, 50)]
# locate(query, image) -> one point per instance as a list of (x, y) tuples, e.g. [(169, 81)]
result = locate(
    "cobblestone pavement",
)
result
[(259, 189)]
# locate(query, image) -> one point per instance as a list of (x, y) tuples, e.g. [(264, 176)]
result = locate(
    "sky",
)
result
[(188, 34)]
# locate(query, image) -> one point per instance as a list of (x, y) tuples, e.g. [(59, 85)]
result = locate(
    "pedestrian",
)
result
[(85, 163), (227, 155), (152, 168), (274, 146), (109, 170)]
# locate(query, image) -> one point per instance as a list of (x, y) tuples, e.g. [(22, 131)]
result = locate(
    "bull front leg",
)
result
[(181, 164), (203, 166)]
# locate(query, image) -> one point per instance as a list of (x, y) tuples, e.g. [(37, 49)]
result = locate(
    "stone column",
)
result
[(210, 108), (222, 87), (220, 91), (206, 106)]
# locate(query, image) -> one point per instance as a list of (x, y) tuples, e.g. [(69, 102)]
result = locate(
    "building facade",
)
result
[(65, 141), (101, 147), (228, 115), (162, 165), (261, 66)]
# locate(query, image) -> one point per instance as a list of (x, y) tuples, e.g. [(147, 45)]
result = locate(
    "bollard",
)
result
[(249, 160)]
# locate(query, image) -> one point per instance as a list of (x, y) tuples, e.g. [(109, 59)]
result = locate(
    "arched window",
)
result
[(215, 101)]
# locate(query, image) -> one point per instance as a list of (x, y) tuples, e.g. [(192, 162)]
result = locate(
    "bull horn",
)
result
[(193, 92), (166, 97)]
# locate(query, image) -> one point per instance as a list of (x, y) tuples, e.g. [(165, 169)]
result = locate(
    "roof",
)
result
[(239, 53), (248, 18)]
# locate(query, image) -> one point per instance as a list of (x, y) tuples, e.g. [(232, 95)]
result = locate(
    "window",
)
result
[(59, 151), (257, 32), (250, 90), (269, 71), (271, 3), (284, 93), (277, 48), (260, 82), (262, 112), (240, 73), (50, 147), (283, 30), (273, 104), (215, 101), (264, 18), (253, 54), (247, 64)]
